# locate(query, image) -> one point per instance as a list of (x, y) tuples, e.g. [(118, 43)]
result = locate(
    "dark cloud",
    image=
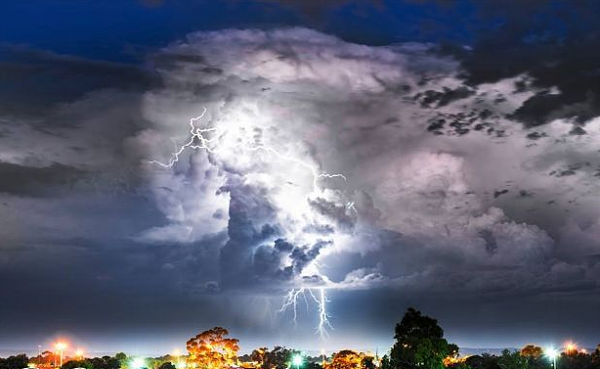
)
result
[(248, 227), (33, 79), (317, 8), (431, 98), (554, 43), (419, 216), (499, 193), (335, 212), (23, 180)]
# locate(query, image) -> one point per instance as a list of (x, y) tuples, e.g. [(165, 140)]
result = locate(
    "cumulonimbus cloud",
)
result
[(439, 164)]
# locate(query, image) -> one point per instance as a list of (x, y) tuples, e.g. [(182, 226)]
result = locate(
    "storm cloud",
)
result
[(365, 112), (373, 171)]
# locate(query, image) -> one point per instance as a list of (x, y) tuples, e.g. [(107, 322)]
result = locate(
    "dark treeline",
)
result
[(14, 362), (420, 344)]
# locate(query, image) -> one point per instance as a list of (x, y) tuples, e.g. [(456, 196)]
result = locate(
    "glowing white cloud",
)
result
[(276, 114)]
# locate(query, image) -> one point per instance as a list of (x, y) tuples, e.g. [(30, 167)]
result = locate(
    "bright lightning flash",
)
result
[(291, 302), (198, 140), (213, 140)]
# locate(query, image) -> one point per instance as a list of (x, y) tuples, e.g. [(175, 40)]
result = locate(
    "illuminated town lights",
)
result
[(79, 354)]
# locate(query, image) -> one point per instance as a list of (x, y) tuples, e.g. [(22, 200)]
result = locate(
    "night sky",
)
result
[(436, 154)]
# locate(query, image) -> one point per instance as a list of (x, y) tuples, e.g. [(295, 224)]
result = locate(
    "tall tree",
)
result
[(420, 343), (532, 351), (346, 359), (258, 356), (512, 360), (211, 350), (278, 358)]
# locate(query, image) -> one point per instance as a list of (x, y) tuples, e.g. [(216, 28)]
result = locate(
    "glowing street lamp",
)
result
[(552, 354), (138, 363), (297, 361), (570, 348), (60, 347), (179, 364)]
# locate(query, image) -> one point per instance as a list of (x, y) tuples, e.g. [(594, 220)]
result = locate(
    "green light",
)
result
[(138, 363), (297, 360)]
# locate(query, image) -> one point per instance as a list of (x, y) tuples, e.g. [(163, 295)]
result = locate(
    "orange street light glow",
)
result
[(570, 347), (60, 345)]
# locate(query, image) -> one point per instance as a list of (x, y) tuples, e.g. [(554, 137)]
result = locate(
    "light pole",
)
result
[(552, 354), (297, 360), (61, 346), (177, 355)]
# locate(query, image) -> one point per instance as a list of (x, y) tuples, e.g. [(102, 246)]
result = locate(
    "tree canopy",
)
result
[(420, 343), (211, 349)]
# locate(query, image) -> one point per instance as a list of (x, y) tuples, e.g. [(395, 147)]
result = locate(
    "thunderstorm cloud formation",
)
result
[(431, 166), (434, 170), (249, 163)]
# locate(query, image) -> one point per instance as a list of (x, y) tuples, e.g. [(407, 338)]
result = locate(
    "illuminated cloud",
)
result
[(434, 167), (448, 192)]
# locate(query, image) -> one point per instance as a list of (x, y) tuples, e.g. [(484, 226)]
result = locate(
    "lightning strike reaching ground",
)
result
[(324, 323), (291, 302)]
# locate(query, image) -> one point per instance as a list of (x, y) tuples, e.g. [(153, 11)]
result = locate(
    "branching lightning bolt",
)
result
[(324, 323), (197, 140), (290, 302)]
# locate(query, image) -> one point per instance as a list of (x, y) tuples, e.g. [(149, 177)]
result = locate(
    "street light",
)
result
[(570, 348), (60, 347), (552, 354), (297, 361), (179, 364), (138, 363)]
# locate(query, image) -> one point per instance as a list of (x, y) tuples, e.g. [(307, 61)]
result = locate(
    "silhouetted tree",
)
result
[(14, 362), (258, 356), (385, 362), (512, 360), (167, 365), (71, 364), (484, 361), (596, 357), (420, 343), (535, 356), (313, 365), (278, 358), (123, 362), (577, 360), (367, 362)]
